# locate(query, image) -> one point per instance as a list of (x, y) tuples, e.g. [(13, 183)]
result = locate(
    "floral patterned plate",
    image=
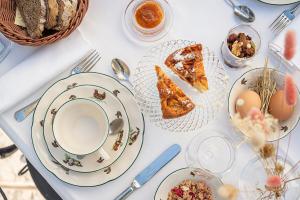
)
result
[(246, 81), (114, 144), (131, 151)]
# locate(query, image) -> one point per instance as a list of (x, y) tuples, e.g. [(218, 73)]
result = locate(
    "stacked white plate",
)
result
[(279, 2), (118, 152)]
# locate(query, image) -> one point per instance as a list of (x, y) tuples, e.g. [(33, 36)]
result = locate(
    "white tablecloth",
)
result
[(206, 21)]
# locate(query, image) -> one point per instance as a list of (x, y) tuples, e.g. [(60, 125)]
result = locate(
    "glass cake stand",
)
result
[(208, 103)]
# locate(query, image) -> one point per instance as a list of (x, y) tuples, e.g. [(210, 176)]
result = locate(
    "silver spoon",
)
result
[(121, 69), (243, 12), (116, 126)]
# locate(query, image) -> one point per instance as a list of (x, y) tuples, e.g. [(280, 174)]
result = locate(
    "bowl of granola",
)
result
[(241, 45), (189, 184)]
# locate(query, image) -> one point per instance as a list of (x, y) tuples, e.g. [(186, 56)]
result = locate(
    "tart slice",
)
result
[(187, 63), (174, 103)]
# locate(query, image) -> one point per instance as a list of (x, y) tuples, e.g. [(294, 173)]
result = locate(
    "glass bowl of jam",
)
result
[(147, 20)]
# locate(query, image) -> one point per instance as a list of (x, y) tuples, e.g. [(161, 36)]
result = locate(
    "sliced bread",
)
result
[(66, 11), (33, 13), (52, 13)]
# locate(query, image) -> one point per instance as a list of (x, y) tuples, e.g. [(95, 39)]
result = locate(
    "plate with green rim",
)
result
[(136, 133), (279, 2), (165, 188), (114, 145)]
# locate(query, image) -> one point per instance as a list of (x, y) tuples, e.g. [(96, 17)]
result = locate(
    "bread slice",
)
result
[(187, 63), (174, 103), (33, 13), (66, 11), (52, 13)]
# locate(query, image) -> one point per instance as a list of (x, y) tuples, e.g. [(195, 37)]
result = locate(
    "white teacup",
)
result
[(80, 126)]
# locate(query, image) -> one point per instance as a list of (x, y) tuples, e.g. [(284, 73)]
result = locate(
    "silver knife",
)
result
[(144, 176)]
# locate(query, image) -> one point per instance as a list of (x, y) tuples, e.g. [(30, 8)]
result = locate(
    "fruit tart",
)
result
[(174, 103), (187, 63)]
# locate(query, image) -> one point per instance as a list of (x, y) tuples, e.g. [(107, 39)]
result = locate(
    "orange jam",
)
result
[(149, 14)]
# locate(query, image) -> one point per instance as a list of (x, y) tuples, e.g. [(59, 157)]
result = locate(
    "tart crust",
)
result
[(187, 63), (174, 103)]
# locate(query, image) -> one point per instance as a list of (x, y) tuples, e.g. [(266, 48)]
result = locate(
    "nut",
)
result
[(241, 45)]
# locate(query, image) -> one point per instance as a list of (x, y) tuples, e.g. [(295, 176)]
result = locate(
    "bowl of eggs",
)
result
[(264, 89)]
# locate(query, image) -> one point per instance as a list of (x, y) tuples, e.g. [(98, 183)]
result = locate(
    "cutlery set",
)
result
[(284, 19), (144, 176), (280, 23), (85, 65)]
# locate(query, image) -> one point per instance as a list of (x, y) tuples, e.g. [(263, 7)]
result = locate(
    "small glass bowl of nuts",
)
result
[(240, 46)]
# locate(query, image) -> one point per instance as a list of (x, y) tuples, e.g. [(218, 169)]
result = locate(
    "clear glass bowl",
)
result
[(214, 153), (5, 47), (136, 32), (232, 60)]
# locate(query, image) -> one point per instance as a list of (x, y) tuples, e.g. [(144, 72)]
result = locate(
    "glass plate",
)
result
[(208, 104)]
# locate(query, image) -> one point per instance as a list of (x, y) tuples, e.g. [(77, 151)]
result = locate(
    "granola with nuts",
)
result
[(241, 45), (191, 190)]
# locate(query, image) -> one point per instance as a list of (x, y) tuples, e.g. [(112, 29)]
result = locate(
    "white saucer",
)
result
[(108, 153)]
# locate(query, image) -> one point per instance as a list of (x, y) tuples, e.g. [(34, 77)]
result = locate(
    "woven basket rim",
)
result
[(21, 37)]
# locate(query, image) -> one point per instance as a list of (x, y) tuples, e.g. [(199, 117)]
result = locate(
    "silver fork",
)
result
[(86, 64), (284, 19)]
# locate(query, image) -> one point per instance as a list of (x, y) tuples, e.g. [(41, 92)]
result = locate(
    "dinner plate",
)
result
[(130, 153), (208, 103), (114, 144), (247, 80), (194, 174), (279, 2)]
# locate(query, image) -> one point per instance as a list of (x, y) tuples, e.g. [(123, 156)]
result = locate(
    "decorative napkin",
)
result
[(277, 45), (38, 69)]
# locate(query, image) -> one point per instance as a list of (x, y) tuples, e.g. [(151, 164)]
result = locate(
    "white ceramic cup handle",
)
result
[(104, 154)]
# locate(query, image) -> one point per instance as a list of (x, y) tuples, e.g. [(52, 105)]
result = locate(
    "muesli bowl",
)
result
[(233, 56), (246, 81), (169, 186)]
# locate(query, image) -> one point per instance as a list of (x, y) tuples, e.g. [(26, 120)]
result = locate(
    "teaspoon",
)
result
[(116, 126), (121, 69), (243, 12)]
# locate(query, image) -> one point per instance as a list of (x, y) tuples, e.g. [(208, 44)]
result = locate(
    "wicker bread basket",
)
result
[(19, 35)]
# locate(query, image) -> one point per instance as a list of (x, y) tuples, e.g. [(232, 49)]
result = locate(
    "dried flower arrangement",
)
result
[(265, 86), (228, 192), (258, 125)]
